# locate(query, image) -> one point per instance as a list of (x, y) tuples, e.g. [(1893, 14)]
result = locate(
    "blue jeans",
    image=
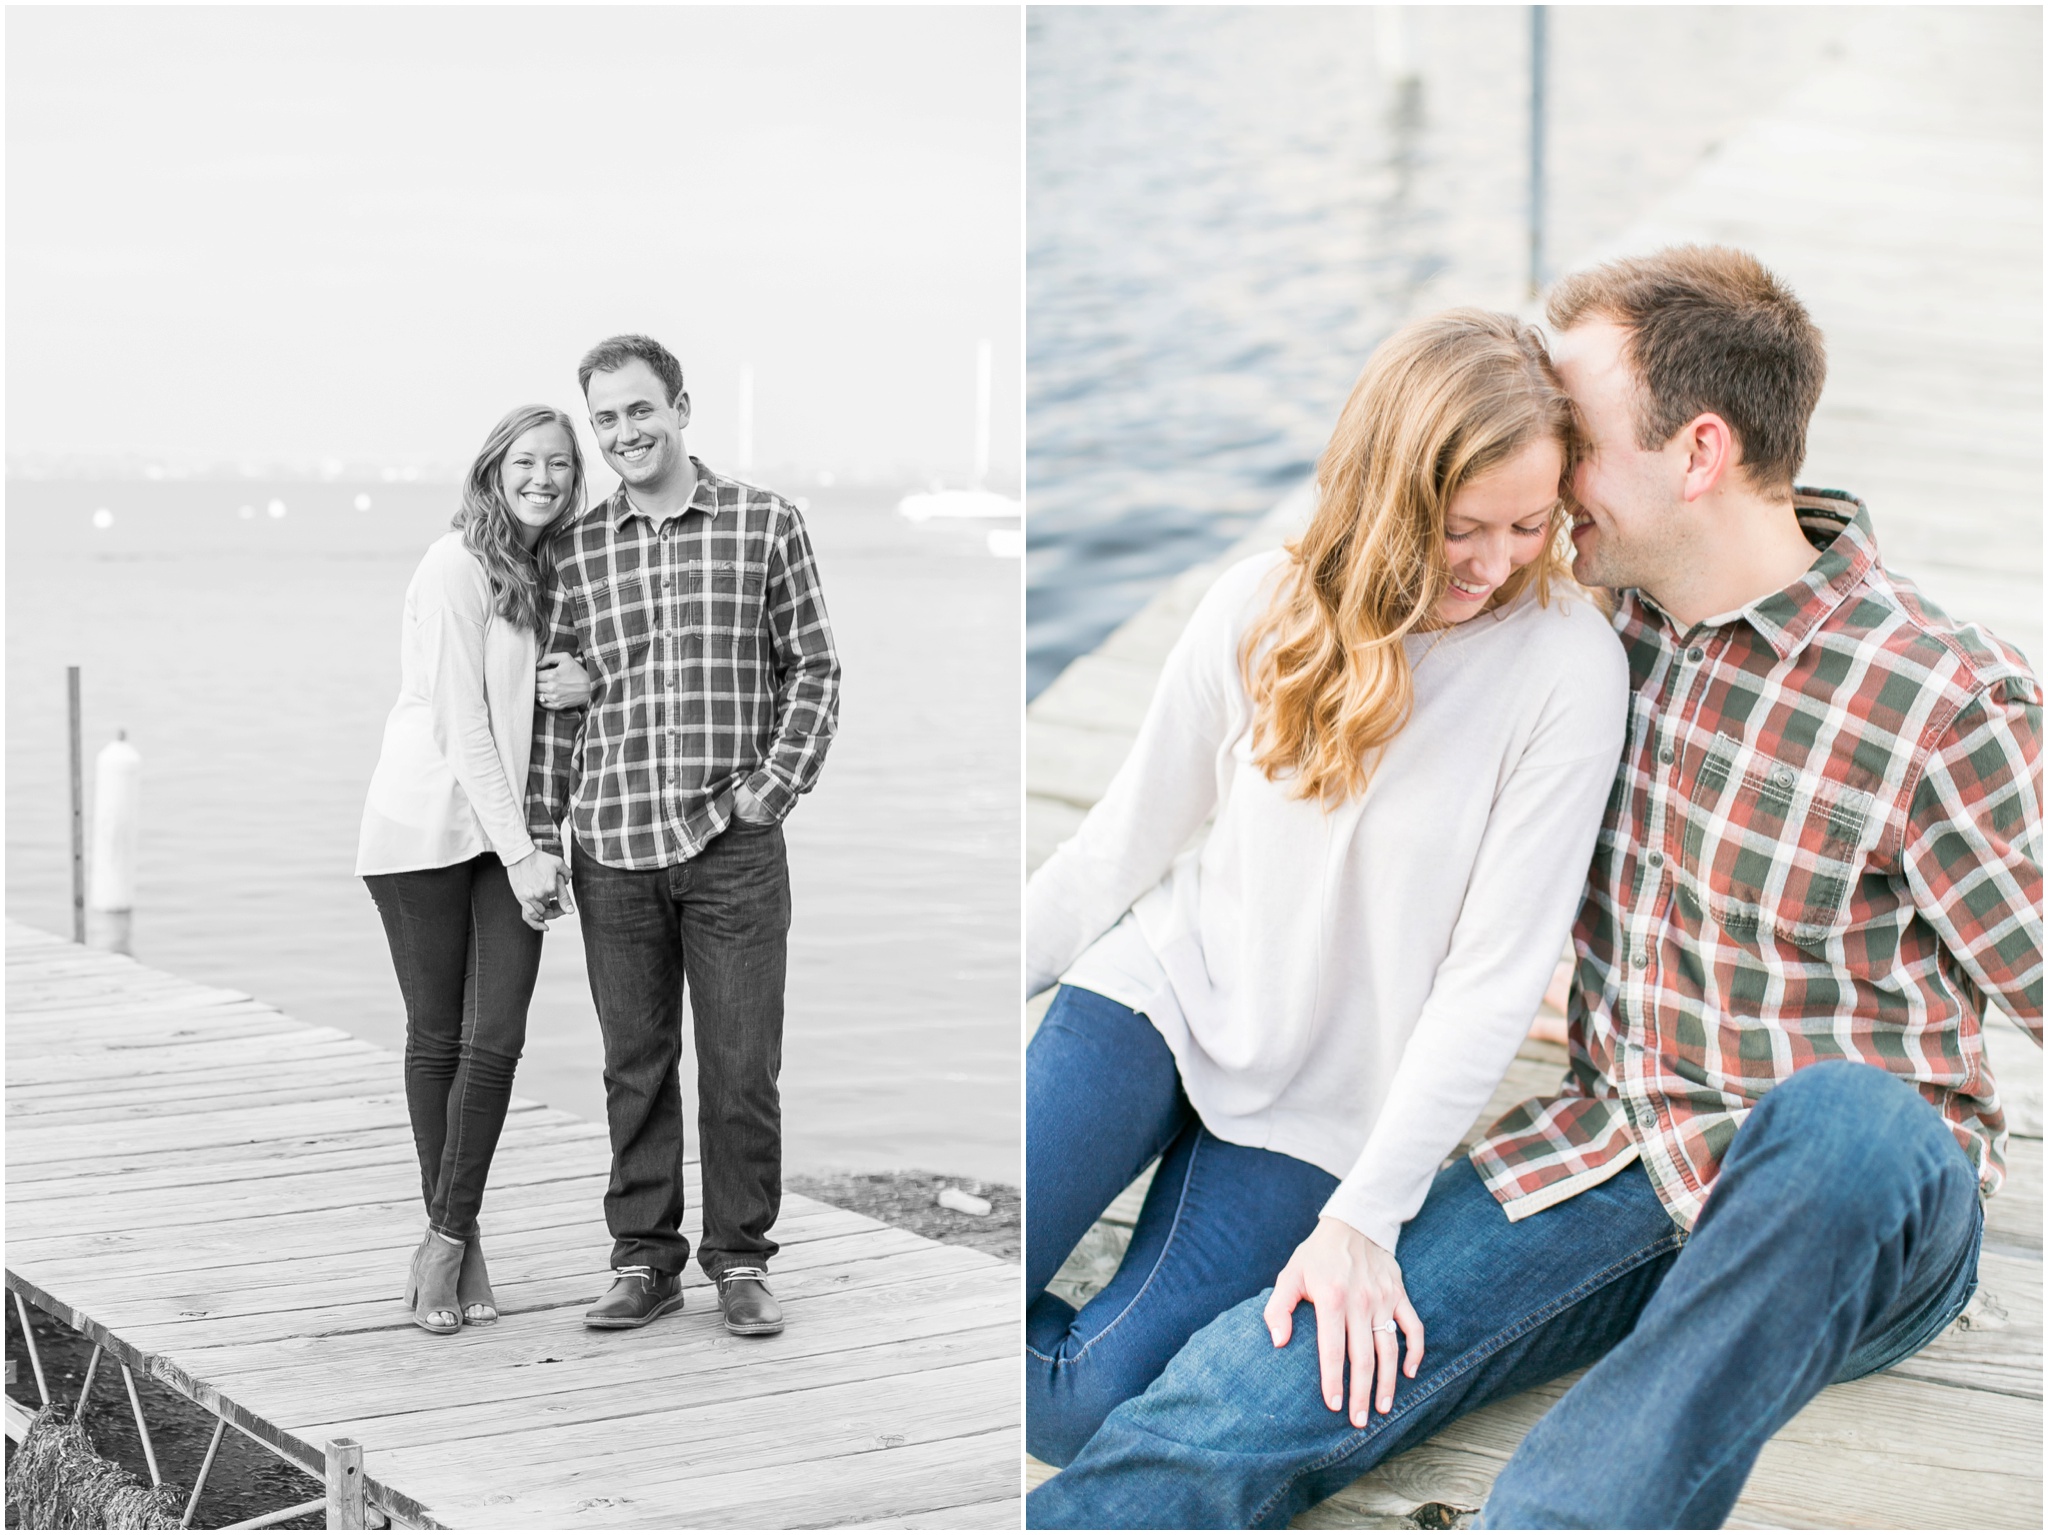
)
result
[(720, 922), (1841, 1237), (1103, 1098)]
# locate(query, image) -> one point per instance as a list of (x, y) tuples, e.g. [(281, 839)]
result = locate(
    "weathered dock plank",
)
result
[(228, 1199)]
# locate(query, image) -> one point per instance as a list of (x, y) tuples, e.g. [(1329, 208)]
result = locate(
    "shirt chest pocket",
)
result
[(1769, 847), (726, 595), (620, 622)]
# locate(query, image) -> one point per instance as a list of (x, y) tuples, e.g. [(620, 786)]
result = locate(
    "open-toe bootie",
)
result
[(430, 1287), (473, 1288)]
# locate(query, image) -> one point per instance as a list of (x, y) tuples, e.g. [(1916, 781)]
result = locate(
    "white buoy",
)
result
[(275, 508), (1390, 52), (116, 826), (362, 503), (103, 519)]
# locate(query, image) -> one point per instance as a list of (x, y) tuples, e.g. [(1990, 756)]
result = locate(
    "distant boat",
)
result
[(958, 503), (926, 505)]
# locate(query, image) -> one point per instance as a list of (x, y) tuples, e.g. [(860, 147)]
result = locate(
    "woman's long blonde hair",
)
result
[(1442, 401)]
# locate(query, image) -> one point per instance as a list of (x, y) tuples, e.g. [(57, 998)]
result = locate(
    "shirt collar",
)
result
[(1837, 524), (703, 499)]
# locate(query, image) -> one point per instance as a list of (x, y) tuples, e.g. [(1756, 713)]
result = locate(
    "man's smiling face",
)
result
[(1627, 524), (639, 430)]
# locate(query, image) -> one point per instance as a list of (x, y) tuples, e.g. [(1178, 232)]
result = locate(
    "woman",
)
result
[(445, 830), (1407, 731)]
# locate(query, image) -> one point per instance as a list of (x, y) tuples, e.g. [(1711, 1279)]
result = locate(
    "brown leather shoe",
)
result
[(638, 1295), (748, 1307)]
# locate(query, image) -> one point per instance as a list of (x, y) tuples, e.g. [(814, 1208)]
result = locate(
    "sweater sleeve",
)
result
[(1159, 797), (1521, 895), (451, 610)]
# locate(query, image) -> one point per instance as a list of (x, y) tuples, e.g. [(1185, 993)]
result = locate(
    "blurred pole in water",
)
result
[(746, 434), (116, 826), (77, 813), (981, 381), (1538, 68)]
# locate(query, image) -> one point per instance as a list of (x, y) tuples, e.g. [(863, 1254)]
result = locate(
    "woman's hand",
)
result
[(540, 882), (563, 683), (1355, 1286)]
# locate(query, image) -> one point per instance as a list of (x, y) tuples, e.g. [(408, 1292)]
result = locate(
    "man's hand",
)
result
[(1355, 1286), (561, 682), (541, 882), (749, 809)]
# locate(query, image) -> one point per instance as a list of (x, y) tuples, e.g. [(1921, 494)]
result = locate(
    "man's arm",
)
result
[(1973, 846), (807, 695), (557, 733)]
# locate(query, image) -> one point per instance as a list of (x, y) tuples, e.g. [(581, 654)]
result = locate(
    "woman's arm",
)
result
[(1521, 896), (450, 613), (1165, 789)]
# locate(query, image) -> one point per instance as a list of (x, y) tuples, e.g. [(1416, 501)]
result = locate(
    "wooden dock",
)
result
[(227, 1199), (1900, 194)]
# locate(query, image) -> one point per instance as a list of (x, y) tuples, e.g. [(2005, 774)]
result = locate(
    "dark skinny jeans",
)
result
[(466, 965)]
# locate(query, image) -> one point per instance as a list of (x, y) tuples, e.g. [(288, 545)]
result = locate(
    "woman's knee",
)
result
[(1067, 1395)]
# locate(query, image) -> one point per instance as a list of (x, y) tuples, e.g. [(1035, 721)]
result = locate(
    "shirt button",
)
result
[(1656, 859), (1696, 654), (1665, 756), (1641, 959)]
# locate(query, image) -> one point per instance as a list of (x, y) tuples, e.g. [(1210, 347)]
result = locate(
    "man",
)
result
[(1820, 861), (693, 600)]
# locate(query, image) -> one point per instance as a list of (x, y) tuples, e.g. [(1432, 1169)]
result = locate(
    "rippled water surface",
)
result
[(1228, 207), (252, 662)]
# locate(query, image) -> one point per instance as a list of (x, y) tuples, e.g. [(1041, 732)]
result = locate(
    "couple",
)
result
[(1818, 861), (688, 696)]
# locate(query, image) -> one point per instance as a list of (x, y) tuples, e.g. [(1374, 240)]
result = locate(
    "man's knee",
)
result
[(1850, 1140)]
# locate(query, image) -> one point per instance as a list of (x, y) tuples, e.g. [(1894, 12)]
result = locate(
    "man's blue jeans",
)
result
[(1102, 1099), (1841, 1237)]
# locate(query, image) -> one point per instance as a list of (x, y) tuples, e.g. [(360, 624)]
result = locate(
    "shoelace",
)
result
[(743, 1273)]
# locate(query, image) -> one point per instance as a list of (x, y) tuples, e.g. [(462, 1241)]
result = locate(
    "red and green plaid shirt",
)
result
[(1823, 844)]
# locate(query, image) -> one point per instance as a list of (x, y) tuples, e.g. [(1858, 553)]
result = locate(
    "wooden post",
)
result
[(77, 813), (347, 1508)]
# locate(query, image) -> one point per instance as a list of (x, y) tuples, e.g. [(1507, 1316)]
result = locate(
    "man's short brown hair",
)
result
[(1709, 329)]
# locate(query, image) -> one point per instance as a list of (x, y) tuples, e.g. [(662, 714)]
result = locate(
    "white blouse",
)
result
[(451, 779), (1346, 986)]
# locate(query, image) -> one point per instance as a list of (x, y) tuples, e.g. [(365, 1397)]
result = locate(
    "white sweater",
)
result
[(1347, 987), (450, 782)]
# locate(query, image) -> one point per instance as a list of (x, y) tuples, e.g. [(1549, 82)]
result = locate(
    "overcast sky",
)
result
[(292, 233)]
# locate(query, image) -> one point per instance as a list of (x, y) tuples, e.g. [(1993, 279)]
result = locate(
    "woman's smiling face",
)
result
[(1497, 523), (537, 477)]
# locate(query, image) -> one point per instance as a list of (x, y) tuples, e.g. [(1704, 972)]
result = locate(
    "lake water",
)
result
[(1229, 207), (252, 661)]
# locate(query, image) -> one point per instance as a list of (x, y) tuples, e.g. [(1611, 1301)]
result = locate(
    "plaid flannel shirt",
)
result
[(712, 672), (1823, 844)]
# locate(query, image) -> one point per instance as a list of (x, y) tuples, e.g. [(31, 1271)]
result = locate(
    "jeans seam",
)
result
[(451, 1155), (1116, 1321), (1472, 1358)]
